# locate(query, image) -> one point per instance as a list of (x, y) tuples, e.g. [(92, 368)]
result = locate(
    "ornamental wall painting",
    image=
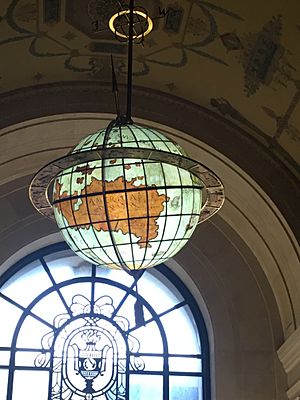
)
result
[(199, 50)]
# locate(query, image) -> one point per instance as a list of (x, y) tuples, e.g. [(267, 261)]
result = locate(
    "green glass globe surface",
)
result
[(124, 212)]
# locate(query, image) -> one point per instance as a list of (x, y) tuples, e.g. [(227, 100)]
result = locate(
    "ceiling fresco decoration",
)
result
[(239, 59)]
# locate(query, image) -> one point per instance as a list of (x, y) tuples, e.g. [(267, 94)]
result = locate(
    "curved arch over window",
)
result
[(69, 332)]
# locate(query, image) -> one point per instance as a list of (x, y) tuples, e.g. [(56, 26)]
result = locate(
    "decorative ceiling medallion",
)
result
[(119, 24)]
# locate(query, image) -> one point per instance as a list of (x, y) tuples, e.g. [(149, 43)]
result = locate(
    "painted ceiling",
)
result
[(240, 59)]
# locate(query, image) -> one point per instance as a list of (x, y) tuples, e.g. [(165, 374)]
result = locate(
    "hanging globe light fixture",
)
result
[(127, 196)]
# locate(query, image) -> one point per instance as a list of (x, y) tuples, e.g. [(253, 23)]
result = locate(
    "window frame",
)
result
[(167, 273)]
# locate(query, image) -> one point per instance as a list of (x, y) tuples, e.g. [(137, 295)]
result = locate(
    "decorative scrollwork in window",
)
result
[(90, 352), (69, 332)]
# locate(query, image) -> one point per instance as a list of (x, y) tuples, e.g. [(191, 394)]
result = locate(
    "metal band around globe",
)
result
[(38, 190)]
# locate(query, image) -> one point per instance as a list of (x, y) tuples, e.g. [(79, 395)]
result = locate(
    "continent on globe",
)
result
[(144, 205), (85, 170)]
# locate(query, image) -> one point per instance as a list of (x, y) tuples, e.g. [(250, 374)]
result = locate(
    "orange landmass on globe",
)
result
[(91, 210)]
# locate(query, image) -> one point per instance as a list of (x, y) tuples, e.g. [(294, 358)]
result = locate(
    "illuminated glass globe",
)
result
[(128, 212)]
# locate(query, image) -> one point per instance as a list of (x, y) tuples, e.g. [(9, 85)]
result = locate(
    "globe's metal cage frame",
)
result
[(209, 184), (93, 279)]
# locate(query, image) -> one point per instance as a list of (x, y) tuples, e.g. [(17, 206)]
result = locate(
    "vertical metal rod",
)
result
[(115, 88), (130, 61)]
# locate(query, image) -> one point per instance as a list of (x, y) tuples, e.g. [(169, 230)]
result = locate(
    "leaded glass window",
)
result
[(68, 332)]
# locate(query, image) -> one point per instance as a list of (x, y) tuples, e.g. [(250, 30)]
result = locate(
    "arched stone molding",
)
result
[(248, 210)]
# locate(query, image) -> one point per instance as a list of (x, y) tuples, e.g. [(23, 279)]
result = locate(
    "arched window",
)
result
[(68, 331)]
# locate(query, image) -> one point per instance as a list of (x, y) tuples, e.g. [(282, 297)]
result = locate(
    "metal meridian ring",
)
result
[(39, 186), (124, 12)]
